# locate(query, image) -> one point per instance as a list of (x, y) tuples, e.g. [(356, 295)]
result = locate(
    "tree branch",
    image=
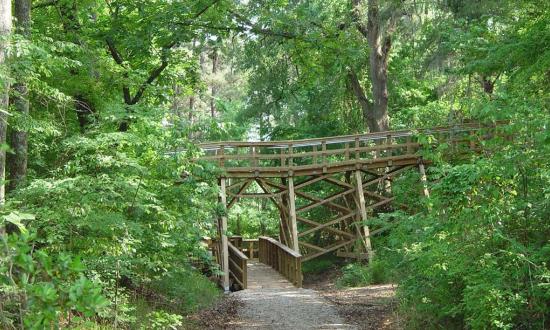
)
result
[(202, 11), (44, 4), (356, 16), (114, 52), (360, 94), (154, 74)]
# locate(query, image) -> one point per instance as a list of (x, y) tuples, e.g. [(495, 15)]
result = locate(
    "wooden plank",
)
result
[(307, 170), (281, 246)]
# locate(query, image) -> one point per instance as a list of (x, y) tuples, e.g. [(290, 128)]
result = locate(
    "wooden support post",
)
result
[(409, 146), (363, 210), (324, 155), (423, 178), (223, 234), (314, 155), (292, 215)]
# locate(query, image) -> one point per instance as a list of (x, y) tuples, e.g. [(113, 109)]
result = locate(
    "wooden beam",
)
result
[(283, 235), (325, 200), (311, 246), (331, 229), (292, 215), (327, 250), (363, 210), (312, 198), (223, 232), (326, 224), (241, 189)]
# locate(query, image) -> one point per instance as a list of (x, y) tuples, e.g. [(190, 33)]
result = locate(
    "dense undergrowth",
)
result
[(108, 235), (477, 254)]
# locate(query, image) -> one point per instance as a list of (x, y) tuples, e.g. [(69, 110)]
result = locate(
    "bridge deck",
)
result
[(262, 276)]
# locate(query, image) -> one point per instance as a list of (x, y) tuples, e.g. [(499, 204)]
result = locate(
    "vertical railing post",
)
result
[(409, 146), (324, 155), (357, 152), (223, 232)]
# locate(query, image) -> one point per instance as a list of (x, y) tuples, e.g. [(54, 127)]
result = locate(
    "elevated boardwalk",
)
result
[(276, 159), (325, 189)]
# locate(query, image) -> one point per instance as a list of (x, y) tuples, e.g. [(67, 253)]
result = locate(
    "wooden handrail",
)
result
[(322, 155), (250, 247), (238, 264), (281, 258), (346, 138)]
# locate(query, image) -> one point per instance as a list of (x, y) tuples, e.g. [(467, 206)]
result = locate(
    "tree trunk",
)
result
[(375, 113), (17, 162), (214, 88), (5, 31), (84, 109), (379, 121)]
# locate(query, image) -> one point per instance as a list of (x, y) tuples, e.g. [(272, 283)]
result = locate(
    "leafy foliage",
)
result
[(106, 229)]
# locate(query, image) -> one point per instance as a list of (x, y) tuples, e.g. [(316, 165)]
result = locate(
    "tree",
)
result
[(5, 32), (17, 162), (379, 38)]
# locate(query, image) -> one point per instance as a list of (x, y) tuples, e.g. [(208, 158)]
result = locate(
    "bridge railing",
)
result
[(281, 258), (320, 154), (238, 264), (248, 246)]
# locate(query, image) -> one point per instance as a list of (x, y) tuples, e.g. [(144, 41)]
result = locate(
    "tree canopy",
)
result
[(103, 103)]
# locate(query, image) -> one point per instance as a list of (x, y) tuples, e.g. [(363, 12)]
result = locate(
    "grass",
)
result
[(321, 264), (169, 299), (357, 274)]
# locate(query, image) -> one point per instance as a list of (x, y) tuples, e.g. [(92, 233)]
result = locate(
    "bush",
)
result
[(357, 274), (42, 291)]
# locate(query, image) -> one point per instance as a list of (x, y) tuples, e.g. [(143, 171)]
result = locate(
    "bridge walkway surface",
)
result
[(272, 302)]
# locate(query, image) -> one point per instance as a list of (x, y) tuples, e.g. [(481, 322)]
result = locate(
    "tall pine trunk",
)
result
[(5, 31), (17, 162)]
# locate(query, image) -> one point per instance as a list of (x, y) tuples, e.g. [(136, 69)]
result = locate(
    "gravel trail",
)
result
[(271, 302)]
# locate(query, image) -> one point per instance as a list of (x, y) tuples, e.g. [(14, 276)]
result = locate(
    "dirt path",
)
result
[(271, 302)]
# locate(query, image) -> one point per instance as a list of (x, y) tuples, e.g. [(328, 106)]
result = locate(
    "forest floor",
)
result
[(271, 302)]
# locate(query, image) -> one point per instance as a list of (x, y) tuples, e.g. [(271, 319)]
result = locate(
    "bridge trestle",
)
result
[(327, 189)]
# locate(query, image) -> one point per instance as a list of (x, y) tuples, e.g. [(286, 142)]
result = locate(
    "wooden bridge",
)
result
[(324, 189)]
